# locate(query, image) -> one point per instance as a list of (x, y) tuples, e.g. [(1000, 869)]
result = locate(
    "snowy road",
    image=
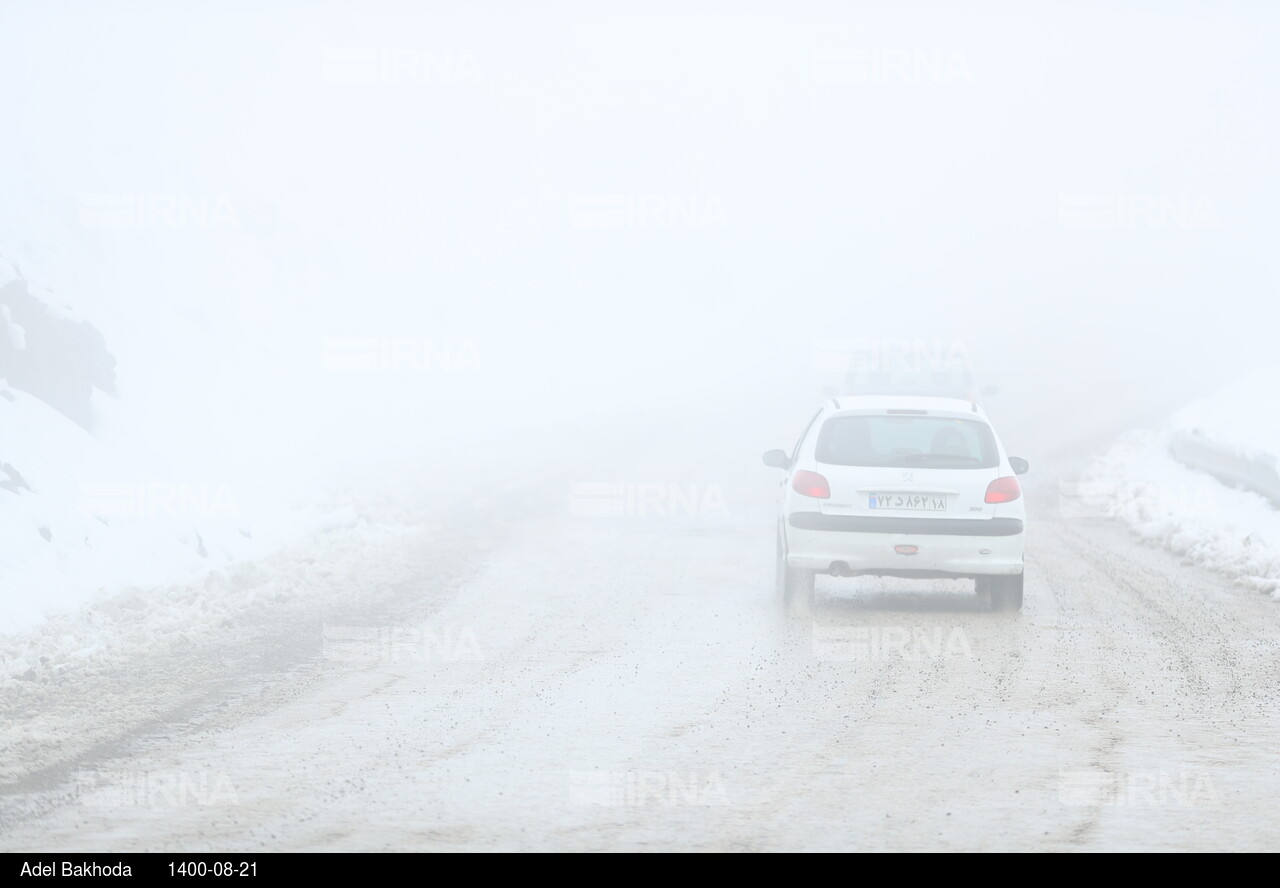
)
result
[(557, 682)]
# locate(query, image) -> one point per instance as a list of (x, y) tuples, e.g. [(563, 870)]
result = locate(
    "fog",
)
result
[(427, 249), (765, 176)]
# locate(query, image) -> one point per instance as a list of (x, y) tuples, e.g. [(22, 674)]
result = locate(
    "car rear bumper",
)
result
[(945, 547)]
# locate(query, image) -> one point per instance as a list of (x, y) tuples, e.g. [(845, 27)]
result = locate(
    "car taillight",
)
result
[(1004, 490), (810, 484)]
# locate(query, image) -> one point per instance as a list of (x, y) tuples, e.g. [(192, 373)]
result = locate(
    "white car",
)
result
[(900, 486)]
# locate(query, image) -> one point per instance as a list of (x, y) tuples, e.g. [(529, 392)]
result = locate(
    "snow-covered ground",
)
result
[(396, 323), (99, 492), (1175, 504), (1240, 415), (77, 521), (541, 677)]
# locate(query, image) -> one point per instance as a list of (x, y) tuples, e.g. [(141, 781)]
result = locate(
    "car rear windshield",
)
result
[(907, 441)]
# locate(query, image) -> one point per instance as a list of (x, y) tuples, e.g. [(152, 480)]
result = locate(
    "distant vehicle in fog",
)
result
[(928, 368), (958, 382), (900, 486)]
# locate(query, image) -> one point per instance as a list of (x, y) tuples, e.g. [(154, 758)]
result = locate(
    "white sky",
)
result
[(767, 173)]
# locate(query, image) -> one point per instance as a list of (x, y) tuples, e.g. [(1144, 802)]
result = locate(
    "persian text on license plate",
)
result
[(913, 502)]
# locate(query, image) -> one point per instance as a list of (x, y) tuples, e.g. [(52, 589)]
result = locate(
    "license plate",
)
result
[(910, 502)]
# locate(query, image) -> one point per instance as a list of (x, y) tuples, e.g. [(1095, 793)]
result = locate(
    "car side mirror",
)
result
[(1019, 465), (777, 459)]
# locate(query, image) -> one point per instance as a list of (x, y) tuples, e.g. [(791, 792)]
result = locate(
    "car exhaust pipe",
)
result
[(839, 569)]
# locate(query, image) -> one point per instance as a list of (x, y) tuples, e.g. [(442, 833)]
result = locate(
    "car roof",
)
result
[(885, 403)]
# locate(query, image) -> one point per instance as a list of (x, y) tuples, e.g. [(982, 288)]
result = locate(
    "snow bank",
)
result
[(151, 617), (1241, 416), (94, 499), (77, 520), (1222, 526)]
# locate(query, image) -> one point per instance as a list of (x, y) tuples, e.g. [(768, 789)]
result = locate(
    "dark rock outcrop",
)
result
[(57, 360)]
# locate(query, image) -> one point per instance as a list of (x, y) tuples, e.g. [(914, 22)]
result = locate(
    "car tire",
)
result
[(1005, 592), (780, 567), (795, 585)]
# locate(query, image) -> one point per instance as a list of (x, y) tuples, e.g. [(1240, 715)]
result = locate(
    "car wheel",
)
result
[(780, 568), (794, 584), (1005, 592)]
